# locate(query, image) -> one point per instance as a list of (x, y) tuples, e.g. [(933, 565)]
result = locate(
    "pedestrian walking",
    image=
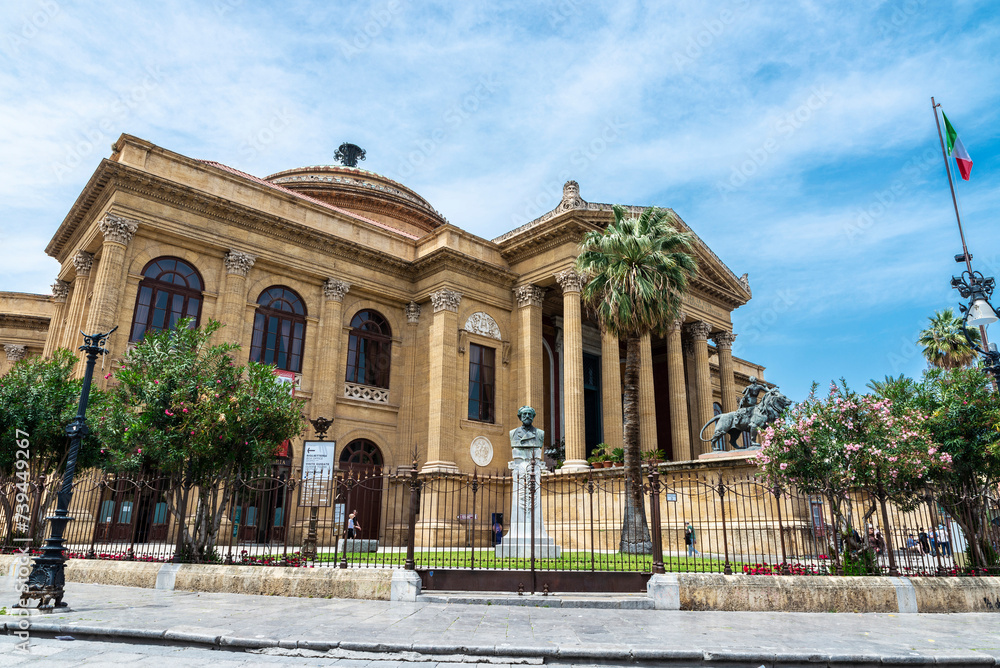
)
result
[(690, 539), (925, 542), (353, 526), (944, 541)]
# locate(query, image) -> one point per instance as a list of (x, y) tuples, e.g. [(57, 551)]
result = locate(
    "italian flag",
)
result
[(957, 148)]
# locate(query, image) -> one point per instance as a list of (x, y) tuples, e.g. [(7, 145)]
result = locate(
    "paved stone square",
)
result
[(567, 635)]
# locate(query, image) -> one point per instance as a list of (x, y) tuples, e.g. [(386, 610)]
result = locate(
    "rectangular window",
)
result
[(481, 382)]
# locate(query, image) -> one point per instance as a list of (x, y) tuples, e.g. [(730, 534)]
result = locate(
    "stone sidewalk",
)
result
[(556, 634)]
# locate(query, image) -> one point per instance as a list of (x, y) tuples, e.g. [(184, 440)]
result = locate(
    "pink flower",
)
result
[(156, 382), (185, 410), (784, 466), (107, 376), (192, 433), (139, 451)]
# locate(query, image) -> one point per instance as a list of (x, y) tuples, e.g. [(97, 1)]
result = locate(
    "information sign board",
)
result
[(318, 459)]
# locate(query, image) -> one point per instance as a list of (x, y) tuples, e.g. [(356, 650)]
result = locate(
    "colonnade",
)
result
[(684, 340)]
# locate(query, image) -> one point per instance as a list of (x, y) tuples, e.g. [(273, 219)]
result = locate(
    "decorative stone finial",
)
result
[(745, 282), (571, 196), (117, 229), (335, 289), (60, 290), (83, 261), (412, 311), (699, 330), (446, 300), (238, 262), (529, 295), (570, 281), (15, 352), (724, 340)]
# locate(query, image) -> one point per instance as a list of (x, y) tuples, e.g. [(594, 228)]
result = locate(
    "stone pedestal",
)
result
[(525, 511), (355, 545)]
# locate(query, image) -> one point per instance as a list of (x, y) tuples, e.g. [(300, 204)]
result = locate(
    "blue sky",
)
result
[(796, 138)]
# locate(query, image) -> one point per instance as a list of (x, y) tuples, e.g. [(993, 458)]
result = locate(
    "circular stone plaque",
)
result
[(482, 451)]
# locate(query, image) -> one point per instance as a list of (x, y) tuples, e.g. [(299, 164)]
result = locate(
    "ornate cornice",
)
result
[(698, 331), (446, 300), (570, 280), (334, 289), (60, 290), (724, 340), (412, 311), (35, 323), (529, 295), (238, 262), (448, 258), (15, 352), (117, 229), (83, 262)]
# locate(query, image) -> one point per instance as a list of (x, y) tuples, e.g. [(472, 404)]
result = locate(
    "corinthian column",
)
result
[(60, 290), (409, 356), (698, 331), (234, 296), (82, 262), (14, 353), (329, 377), (727, 381), (530, 371), (611, 390), (680, 433), (118, 233), (647, 396), (443, 394), (576, 447)]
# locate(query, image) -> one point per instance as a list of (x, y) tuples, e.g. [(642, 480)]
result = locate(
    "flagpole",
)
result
[(954, 200)]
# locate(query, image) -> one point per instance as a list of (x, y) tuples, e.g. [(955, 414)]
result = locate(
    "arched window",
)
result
[(360, 453), (170, 290), (369, 349), (716, 408), (279, 329)]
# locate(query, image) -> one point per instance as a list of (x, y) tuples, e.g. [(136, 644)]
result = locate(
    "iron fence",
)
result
[(452, 527)]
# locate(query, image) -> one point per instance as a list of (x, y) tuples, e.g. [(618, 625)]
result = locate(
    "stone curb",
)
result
[(605, 654)]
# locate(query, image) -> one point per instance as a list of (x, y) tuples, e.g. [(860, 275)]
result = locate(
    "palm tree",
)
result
[(638, 269), (945, 345)]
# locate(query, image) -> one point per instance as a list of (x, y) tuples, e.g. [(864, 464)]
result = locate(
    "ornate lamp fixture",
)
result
[(978, 289)]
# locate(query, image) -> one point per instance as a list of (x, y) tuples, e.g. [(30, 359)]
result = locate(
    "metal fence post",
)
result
[(654, 507), (411, 523), (721, 489)]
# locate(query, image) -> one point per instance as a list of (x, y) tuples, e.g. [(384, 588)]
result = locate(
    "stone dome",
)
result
[(364, 192)]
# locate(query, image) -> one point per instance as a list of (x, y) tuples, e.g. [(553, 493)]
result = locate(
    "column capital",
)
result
[(529, 295), (724, 340), (698, 331), (60, 290), (412, 311), (334, 289), (446, 300), (238, 262), (570, 280), (677, 323), (15, 352), (117, 229), (83, 261)]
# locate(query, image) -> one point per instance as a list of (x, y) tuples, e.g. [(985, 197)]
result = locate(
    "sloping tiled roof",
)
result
[(321, 203)]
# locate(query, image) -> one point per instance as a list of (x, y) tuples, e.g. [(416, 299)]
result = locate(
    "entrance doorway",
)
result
[(593, 431), (363, 460)]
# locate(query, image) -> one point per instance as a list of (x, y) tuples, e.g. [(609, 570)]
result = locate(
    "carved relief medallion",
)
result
[(481, 323), (481, 451)]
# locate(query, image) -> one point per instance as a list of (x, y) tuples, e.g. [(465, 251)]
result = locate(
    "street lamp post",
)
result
[(47, 579)]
